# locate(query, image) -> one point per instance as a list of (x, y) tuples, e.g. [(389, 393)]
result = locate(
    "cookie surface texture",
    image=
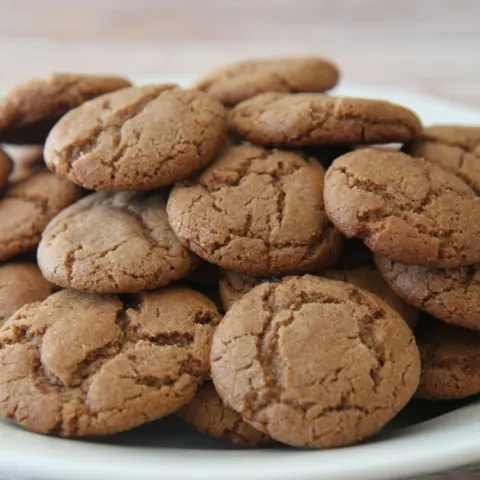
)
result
[(243, 80), (404, 208), (314, 362), (138, 138), (113, 243), (79, 364), (311, 119), (257, 211)]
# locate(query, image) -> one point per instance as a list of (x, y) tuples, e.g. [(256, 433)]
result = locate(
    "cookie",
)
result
[(79, 364), (237, 82), (314, 362), (310, 119), (451, 295), (404, 208), (25, 154), (6, 167), (136, 139), (21, 283), (453, 147), (207, 414), (257, 211), (28, 206), (29, 110), (449, 355), (368, 278), (135, 249)]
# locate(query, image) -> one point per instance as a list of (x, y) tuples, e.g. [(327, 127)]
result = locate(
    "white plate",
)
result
[(168, 450)]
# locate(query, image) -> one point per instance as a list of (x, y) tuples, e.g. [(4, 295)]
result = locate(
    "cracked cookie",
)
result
[(79, 364), (452, 295), (21, 283), (311, 119), (237, 82), (314, 362), (135, 250), (207, 414), (138, 138), (404, 208), (29, 110), (258, 211), (27, 206), (6, 167), (453, 147), (449, 356)]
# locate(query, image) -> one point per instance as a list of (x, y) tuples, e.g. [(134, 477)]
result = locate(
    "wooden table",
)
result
[(430, 46)]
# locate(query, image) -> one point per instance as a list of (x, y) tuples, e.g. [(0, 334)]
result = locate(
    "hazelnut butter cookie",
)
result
[(257, 211), (29, 110), (314, 362), (138, 138), (78, 364)]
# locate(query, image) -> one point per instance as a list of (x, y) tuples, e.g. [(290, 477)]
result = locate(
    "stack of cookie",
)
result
[(233, 198)]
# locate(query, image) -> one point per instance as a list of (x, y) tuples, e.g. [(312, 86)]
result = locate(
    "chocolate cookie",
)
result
[(314, 362), (453, 147), (206, 413), (405, 208), (6, 167), (138, 138), (29, 110), (309, 119), (258, 211), (451, 295), (79, 364), (28, 206), (21, 283), (449, 355), (243, 80), (135, 249)]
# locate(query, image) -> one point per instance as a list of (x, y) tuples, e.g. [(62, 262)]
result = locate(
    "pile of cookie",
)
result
[(251, 253)]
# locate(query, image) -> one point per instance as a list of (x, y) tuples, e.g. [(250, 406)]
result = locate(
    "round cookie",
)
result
[(314, 362), (453, 147), (6, 167), (310, 119), (257, 211), (405, 208), (29, 110), (207, 414), (135, 250), (21, 283), (78, 364), (242, 80), (138, 138), (27, 207), (449, 355), (451, 295)]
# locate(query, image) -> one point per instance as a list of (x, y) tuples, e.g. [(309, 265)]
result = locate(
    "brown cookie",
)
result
[(6, 167), (407, 209), (453, 147), (80, 364), (258, 211), (21, 283), (138, 138), (237, 82), (28, 206), (449, 355), (314, 362), (206, 413), (135, 248), (25, 154), (29, 110), (310, 119), (368, 278), (451, 295)]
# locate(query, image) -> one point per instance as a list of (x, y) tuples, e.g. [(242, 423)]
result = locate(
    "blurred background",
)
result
[(431, 46)]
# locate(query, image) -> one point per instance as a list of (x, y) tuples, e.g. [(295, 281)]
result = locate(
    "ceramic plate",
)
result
[(423, 438)]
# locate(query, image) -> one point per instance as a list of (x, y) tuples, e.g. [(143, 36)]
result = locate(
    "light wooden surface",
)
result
[(430, 46)]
